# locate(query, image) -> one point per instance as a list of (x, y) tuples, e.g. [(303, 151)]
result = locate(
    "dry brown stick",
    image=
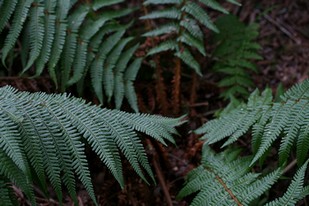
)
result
[(282, 28), (289, 166), (158, 171), (161, 180)]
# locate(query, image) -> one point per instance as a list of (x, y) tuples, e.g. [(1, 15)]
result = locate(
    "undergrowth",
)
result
[(95, 46)]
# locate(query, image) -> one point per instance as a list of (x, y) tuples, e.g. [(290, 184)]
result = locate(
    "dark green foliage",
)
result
[(183, 27), (225, 179), (46, 134), (236, 47), (71, 41), (287, 120)]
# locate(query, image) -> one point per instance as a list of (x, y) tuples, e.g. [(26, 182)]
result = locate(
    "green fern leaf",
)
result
[(235, 51), (161, 2), (170, 13), (6, 10), (8, 141), (165, 29), (112, 14), (49, 32), (188, 59), (109, 65), (10, 171), (190, 40), (59, 38), (20, 16), (234, 2), (86, 33), (191, 26), (200, 15), (74, 22), (286, 119), (52, 131), (6, 193), (129, 77), (303, 144), (98, 4), (119, 86), (36, 32), (98, 63), (214, 5), (164, 46), (293, 194), (224, 180)]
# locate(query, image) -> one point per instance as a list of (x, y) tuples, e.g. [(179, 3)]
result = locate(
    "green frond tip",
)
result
[(287, 120), (170, 13), (48, 134), (236, 49), (161, 2), (214, 5), (200, 15), (294, 191), (98, 4), (224, 179)]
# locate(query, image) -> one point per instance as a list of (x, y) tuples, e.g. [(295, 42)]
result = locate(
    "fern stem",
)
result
[(229, 191), (176, 86), (160, 88)]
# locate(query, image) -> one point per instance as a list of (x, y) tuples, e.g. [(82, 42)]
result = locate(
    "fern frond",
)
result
[(164, 29), (269, 120), (119, 83), (49, 32), (86, 33), (6, 193), (200, 15), (98, 4), (191, 26), (189, 60), (109, 65), (36, 32), (222, 180), (170, 13), (164, 46), (74, 22), (112, 14), (235, 51), (19, 18), (10, 171), (214, 5), (183, 31), (161, 2), (129, 77), (59, 38), (293, 194), (190, 40), (97, 65), (48, 132), (6, 10)]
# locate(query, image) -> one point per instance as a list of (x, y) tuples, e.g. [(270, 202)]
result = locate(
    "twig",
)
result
[(159, 173), (283, 29), (290, 166)]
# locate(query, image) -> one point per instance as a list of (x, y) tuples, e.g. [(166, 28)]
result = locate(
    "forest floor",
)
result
[(284, 37)]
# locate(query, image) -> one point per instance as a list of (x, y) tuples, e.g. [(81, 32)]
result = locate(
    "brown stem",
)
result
[(176, 86), (159, 173), (160, 86), (229, 191)]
